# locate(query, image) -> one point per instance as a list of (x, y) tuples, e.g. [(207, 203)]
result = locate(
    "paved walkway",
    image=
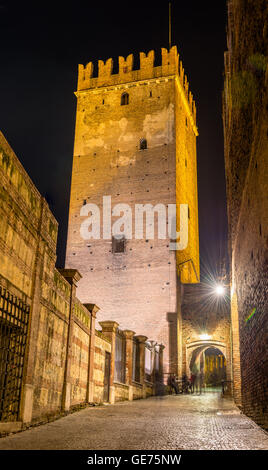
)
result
[(170, 422)]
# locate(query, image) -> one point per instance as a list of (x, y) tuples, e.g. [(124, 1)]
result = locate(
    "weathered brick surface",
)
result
[(245, 123), (62, 365), (137, 391), (139, 287), (28, 235), (102, 344), (121, 392), (79, 365)]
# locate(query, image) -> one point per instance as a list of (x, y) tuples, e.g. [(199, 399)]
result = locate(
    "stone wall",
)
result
[(28, 234), (102, 345), (80, 355), (129, 389), (121, 392), (245, 118), (49, 349), (137, 391), (62, 366)]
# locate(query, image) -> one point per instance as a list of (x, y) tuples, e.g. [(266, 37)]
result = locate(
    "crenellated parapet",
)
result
[(146, 64), (105, 71), (170, 66)]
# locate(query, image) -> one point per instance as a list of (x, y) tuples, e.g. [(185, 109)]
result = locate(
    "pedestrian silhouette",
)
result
[(185, 384), (192, 381), (173, 383)]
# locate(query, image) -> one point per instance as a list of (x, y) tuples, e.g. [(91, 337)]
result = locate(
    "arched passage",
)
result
[(214, 367), (209, 357)]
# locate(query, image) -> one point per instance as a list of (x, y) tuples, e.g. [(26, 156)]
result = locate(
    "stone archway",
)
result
[(195, 352)]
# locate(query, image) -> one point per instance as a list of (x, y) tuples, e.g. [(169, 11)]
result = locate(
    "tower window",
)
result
[(124, 99), (118, 244), (143, 144)]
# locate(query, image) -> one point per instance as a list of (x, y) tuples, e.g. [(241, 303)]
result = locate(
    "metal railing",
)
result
[(119, 363), (14, 317)]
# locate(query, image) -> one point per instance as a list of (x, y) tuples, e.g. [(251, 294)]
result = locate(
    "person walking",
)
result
[(192, 381), (173, 384), (185, 384), (197, 381), (201, 381)]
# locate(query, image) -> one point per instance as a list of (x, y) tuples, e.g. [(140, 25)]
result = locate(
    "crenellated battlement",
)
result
[(171, 65)]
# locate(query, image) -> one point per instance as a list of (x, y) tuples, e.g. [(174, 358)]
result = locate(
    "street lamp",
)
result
[(219, 289), (205, 336)]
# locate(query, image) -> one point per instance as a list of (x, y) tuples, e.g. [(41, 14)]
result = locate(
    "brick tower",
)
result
[(135, 140)]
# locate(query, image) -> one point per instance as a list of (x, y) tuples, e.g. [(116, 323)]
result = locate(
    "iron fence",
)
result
[(149, 363), (14, 318), (120, 360), (136, 362)]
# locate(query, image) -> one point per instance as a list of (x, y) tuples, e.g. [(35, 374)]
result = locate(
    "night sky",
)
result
[(41, 44)]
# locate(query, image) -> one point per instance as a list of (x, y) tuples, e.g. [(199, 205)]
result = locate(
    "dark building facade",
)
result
[(245, 108)]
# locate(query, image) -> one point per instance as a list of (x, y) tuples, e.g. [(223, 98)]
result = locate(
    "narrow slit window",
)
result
[(143, 144), (124, 99), (118, 244)]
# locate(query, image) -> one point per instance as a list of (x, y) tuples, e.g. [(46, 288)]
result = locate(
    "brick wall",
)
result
[(245, 131), (141, 284), (65, 356), (203, 314), (28, 235), (102, 345), (80, 356)]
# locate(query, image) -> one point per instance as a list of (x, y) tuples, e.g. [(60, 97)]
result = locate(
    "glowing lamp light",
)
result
[(220, 290), (205, 336)]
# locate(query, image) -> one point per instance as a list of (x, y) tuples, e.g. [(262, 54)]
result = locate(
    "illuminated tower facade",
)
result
[(135, 141)]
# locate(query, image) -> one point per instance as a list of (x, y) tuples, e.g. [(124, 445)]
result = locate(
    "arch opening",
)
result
[(214, 367), (210, 362)]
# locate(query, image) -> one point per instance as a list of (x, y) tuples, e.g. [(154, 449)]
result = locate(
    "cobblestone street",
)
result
[(205, 422)]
